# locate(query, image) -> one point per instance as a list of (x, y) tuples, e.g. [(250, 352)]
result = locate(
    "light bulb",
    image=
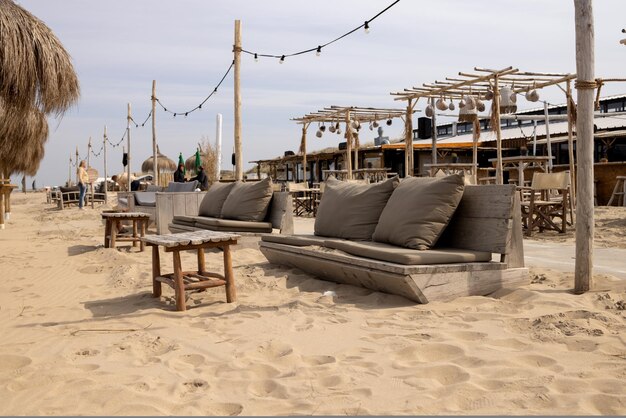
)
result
[(319, 51), (256, 57), (282, 59), (366, 27)]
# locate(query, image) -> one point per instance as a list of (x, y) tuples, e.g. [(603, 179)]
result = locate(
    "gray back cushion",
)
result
[(419, 210), (248, 201), (351, 210), (214, 199), (188, 186)]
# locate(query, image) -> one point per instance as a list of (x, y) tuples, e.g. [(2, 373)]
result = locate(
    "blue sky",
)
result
[(119, 47)]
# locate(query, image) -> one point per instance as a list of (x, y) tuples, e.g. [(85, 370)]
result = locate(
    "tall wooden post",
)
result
[(434, 133), (496, 110), (303, 149), (475, 128), (128, 159), (408, 139), (548, 143), (585, 83), (237, 77), (106, 178), (348, 158), (155, 167), (570, 143)]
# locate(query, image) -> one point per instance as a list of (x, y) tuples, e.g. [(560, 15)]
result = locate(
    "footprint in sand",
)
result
[(224, 409), (537, 360), (427, 353), (195, 385), (87, 352), (10, 363), (319, 360), (268, 388), (606, 404)]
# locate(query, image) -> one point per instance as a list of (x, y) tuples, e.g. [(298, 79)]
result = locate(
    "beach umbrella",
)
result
[(35, 69), (181, 160), (195, 161), (163, 164), (22, 140), (198, 161)]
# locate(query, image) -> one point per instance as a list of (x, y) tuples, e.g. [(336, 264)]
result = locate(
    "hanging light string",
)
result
[(118, 143), (203, 102), (142, 123), (318, 49)]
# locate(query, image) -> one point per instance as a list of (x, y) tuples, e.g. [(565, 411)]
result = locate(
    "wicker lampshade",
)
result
[(507, 100), (468, 115)]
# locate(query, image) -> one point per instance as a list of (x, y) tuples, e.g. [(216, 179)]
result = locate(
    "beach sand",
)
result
[(81, 334)]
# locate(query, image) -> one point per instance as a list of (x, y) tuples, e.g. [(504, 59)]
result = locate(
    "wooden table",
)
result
[(522, 162), (111, 236), (5, 201), (375, 174), (181, 280), (339, 174), (451, 168)]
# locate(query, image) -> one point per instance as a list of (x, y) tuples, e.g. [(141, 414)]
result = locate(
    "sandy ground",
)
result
[(81, 334)]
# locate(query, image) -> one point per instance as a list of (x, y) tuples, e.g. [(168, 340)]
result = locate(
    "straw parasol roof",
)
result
[(35, 69), (22, 140), (163, 162), (190, 163)]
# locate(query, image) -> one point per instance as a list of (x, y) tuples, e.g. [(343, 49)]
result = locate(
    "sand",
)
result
[(81, 334)]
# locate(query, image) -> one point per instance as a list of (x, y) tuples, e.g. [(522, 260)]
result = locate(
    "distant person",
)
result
[(179, 174), (202, 179), (82, 178)]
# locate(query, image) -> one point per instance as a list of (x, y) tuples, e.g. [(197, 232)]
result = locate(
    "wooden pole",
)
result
[(348, 158), (355, 138), (69, 173), (434, 134), (237, 76), (155, 166), (475, 127), (408, 139), (570, 143), (548, 143), (128, 118), (303, 149), (496, 110), (106, 178), (585, 83)]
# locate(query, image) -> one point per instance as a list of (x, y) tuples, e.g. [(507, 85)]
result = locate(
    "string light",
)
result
[(282, 59), (319, 51), (366, 27), (256, 57)]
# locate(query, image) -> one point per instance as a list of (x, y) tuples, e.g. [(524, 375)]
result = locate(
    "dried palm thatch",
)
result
[(23, 135), (35, 69), (163, 164), (208, 155)]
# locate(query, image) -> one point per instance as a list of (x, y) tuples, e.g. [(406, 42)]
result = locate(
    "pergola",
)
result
[(353, 117), (487, 84)]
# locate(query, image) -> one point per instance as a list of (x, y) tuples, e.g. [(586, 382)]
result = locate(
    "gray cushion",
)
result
[(214, 199), (184, 220), (153, 188), (189, 186), (248, 201), (399, 255), (145, 198), (217, 224), (419, 210), (351, 210), (295, 240)]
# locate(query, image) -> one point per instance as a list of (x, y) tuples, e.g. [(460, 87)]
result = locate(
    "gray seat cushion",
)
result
[(419, 210), (351, 210), (406, 256), (145, 198), (214, 199), (248, 201), (188, 186), (218, 224), (295, 240), (184, 220)]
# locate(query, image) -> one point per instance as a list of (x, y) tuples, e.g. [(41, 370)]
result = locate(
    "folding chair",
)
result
[(547, 199)]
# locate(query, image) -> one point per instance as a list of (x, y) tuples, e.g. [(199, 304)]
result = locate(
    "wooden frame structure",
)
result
[(481, 85), (349, 115)]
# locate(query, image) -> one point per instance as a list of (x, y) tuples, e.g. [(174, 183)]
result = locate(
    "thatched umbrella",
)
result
[(35, 69), (163, 163), (22, 140)]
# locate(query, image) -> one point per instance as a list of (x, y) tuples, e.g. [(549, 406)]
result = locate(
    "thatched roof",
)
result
[(163, 162), (35, 69), (22, 140)]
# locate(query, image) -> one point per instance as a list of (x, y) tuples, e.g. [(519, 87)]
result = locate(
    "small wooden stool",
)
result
[(619, 191), (140, 221), (181, 280)]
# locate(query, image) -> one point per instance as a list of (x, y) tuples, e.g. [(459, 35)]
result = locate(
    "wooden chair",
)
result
[(301, 199), (547, 199)]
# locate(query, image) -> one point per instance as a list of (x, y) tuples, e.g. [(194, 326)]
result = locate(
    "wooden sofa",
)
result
[(279, 216), (486, 221), (67, 196)]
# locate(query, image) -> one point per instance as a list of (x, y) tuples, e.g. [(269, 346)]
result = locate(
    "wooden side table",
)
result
[(139, 220), (181, 280)]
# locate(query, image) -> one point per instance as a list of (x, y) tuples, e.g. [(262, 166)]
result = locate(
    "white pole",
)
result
[(535, 138), (218, 145), (548, 143), (155, 166), (128, 156)]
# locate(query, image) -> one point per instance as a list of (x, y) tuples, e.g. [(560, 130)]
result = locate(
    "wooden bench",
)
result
[(487, 220)]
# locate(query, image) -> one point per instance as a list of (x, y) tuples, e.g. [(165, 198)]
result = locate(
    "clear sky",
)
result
[(118, 48)]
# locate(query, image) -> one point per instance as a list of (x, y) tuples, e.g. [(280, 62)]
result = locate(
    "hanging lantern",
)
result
[(371, 127), (480, 106), (462, 102), (468, 115), (451, 106), (338, 130), (318, 134), (331, 129), (429, 111), (532, 95), (389, 122), (470, 103), (507, 105), (375, 124), (489, 94), (323, 127), (441, 104)]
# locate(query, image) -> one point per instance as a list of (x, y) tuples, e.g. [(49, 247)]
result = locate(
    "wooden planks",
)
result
[(189, 238)]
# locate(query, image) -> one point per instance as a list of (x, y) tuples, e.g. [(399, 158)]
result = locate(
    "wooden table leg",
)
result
[(135, 233), (113, 236), (231, 291), (179, 285), (201, 264), (2, 210), (156, 271), (107, 231), (142, 245)]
